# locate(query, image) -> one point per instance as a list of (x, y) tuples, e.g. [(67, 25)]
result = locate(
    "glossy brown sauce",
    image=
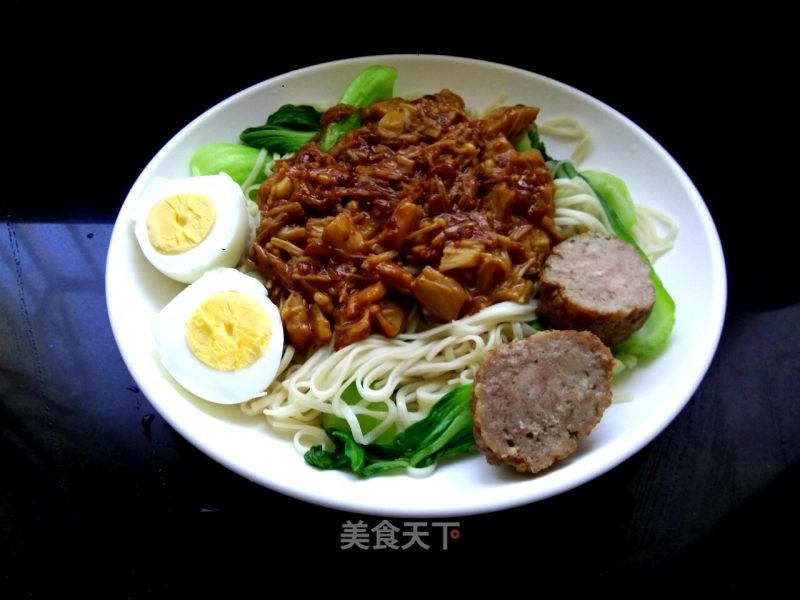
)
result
[(423, 204)]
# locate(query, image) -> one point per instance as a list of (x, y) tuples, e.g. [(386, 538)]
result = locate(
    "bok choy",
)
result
[(286, 130), (371, 85), (445, 431), (292, 126), (237, 160)]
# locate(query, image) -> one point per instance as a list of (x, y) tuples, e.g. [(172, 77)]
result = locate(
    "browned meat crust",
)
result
[(596, 283), (535, 398)]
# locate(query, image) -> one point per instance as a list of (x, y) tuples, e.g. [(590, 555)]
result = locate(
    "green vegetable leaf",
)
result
[(237, 160), (651, 338), (276, 139), (532, 141), (445, 431), (371, 85), (322, 459), (286, 130), (615, 193), (298, 117), (367, 422), (336, 130), (292, 125)]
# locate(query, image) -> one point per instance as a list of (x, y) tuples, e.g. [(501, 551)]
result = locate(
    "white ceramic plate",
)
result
[(693, 272)]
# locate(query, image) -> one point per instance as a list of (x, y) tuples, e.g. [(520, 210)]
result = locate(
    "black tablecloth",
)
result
[(99, 493)]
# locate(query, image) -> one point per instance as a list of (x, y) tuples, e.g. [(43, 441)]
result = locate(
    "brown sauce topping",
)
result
[(422, 204)]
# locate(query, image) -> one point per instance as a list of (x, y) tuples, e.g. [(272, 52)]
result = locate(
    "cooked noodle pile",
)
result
[(406, 375)]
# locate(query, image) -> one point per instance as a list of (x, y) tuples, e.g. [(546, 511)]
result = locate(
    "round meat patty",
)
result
[(535, 398), (596, 283)]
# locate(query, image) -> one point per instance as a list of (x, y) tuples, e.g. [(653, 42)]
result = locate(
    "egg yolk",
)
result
[(229, 331), (180, 222)]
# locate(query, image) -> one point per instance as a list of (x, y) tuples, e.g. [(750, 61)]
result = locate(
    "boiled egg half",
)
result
[(187, 226), (221, 338)]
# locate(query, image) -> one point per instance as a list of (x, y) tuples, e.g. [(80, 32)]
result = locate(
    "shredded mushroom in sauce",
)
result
[(423, 204)]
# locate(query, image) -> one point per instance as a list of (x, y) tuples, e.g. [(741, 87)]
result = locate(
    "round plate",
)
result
[(693, 272)]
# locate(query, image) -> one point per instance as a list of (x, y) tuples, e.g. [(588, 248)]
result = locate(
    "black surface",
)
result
[(100, 496)]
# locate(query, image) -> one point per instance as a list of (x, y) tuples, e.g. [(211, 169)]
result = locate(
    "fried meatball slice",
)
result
[(535, 398), (596, 283)]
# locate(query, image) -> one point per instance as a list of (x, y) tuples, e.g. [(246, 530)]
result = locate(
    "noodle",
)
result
[(570, 130), (578, 210), (650, 223), (404, 377), (258, 168), (263, 166)]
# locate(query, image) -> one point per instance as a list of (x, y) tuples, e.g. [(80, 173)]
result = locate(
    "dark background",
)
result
[(99, 496)]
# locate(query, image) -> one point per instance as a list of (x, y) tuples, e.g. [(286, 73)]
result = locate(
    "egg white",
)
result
[(222, 387), (224, 244)]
